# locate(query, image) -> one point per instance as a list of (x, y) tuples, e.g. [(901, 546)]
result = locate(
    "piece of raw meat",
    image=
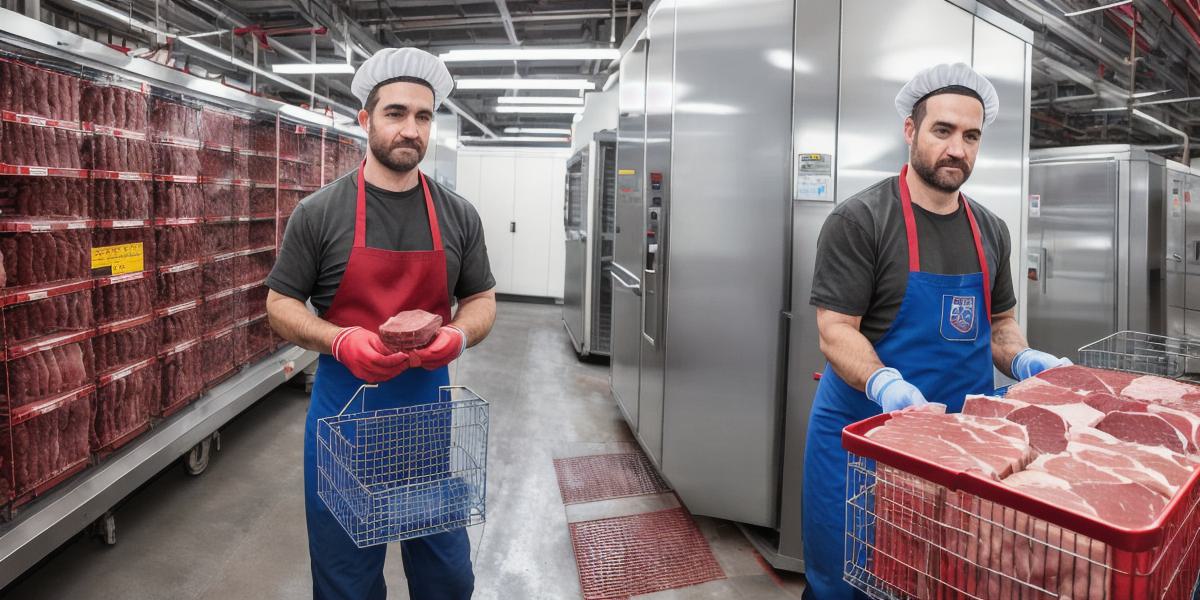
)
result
[(991, 406), (1157, 389), (409, 329), (1106, 403), (992, 447), (1143, 428), (1039, 391), (1047, 430)]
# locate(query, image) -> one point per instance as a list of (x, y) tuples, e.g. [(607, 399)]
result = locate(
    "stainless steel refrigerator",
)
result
[(742, 125), (590, 236), (1105, 252)]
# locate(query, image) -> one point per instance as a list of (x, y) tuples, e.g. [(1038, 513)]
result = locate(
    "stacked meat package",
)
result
[(137, 227), (1113, 450)]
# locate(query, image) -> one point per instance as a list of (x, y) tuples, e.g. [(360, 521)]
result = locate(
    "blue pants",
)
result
[(438, 567)]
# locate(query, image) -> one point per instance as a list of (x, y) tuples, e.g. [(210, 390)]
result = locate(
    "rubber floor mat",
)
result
[(639, 554), (604, 476)]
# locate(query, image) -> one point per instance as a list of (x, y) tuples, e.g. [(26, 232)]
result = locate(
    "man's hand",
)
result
[(447, 345), (366, 356), (891, 392), (1030, 362)]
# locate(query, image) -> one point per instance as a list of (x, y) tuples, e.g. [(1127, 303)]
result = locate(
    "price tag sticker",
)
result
[(117, 260)]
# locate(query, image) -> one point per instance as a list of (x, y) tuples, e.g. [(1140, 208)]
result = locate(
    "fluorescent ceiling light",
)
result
[(539, 100), (119, 16), (313, 68), (1088, 10), (538, 130), (516, 138), (524, 84), (507, 54), (548, 110)]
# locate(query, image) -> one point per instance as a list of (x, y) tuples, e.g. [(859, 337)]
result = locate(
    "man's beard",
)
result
[(390, 156), (940, 180)]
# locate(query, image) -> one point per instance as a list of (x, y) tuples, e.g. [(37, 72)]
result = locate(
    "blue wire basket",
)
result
[(403, 473)]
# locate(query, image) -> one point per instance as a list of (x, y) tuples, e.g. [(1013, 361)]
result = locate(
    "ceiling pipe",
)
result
[(506, 19), (1174, 131)]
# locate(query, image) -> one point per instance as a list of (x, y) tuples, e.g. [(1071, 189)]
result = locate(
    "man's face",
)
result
[(944, 145), (398, 126)]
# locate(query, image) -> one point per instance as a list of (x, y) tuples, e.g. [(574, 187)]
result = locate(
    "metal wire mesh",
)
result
[(907, 537), (397, 474), (604, 476), (1145, 353)]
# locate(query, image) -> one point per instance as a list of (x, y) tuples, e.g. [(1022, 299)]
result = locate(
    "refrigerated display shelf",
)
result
[(25, 412), (34, 171), (44, 524), (113, 131), (121, 175), (35, 224), (46, 342), (36, 121), (41, 291)]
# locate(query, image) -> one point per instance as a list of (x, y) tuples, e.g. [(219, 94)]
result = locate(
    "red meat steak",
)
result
[(990, 406), (956, 441), (1115, 380), (1143, 428), (1153, 389), (1107, 403), (1128, 505), (1073, 377), (1039, 391), (1047, 430), (409, 329)]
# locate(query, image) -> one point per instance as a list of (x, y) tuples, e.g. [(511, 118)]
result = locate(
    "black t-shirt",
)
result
[(862, 255), (316, 244)]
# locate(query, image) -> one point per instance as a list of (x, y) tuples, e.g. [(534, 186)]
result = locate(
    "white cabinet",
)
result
[(519, 195)]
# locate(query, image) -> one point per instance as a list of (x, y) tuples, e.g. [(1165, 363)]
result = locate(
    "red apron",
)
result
[(376, 285)]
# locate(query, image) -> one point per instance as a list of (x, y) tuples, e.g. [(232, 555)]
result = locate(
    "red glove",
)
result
[(365, 355), (447, 345)]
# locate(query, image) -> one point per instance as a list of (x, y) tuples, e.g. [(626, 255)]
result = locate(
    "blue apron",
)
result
[(940, 343), (377, 284)]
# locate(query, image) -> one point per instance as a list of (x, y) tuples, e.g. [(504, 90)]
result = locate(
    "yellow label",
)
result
[(626, 172), (121, 259)]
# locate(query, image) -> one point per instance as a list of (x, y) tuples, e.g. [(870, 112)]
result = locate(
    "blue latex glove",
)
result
[(1030, 362), (891, 392)]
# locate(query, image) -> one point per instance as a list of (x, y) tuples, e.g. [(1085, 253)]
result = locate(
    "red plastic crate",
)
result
[(257, 339), (44, 444), (220, 351), (918, 528), (125, 400), (262, 201), (111, 106), (32, 90), (223, 238), (40, 146), (178, 200)]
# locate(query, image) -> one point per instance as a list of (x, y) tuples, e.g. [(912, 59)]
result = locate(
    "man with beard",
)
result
[(914, 300), (381, 240)]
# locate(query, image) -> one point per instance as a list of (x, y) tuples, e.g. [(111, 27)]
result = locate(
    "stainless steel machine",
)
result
[(741, 126), (1106, 248), (590, 234), (1182, 206)]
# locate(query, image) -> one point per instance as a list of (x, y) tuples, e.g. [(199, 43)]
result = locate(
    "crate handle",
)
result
[(361, 390)]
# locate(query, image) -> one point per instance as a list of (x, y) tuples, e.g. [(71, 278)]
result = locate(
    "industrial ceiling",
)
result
[(1104, 71)]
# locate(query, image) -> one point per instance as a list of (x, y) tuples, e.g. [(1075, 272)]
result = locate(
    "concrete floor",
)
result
[(237, 531)]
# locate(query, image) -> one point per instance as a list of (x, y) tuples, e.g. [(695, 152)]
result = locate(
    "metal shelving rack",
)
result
[(54, 518)]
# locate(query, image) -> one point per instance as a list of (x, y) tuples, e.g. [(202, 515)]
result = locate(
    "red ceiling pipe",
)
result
[(1194, 5)]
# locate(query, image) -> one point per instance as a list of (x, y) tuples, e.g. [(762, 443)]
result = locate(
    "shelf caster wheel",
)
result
[(196, 460), (105, 528)]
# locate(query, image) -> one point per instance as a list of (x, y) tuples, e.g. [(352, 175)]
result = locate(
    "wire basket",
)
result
[(403, 473), (915, 529), (1144, 353)]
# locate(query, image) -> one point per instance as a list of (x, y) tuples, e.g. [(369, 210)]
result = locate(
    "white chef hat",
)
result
[(937, 78), (396, 63)]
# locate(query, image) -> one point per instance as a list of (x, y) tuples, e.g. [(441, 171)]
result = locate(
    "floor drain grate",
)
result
[(604, 476), (639, 554)]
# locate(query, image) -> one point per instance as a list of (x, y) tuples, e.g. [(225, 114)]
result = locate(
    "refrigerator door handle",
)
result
[(1176, 257), (637, 289)]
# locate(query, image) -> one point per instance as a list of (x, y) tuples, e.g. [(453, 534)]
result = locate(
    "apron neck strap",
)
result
[(914, 251), (360, 211)]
